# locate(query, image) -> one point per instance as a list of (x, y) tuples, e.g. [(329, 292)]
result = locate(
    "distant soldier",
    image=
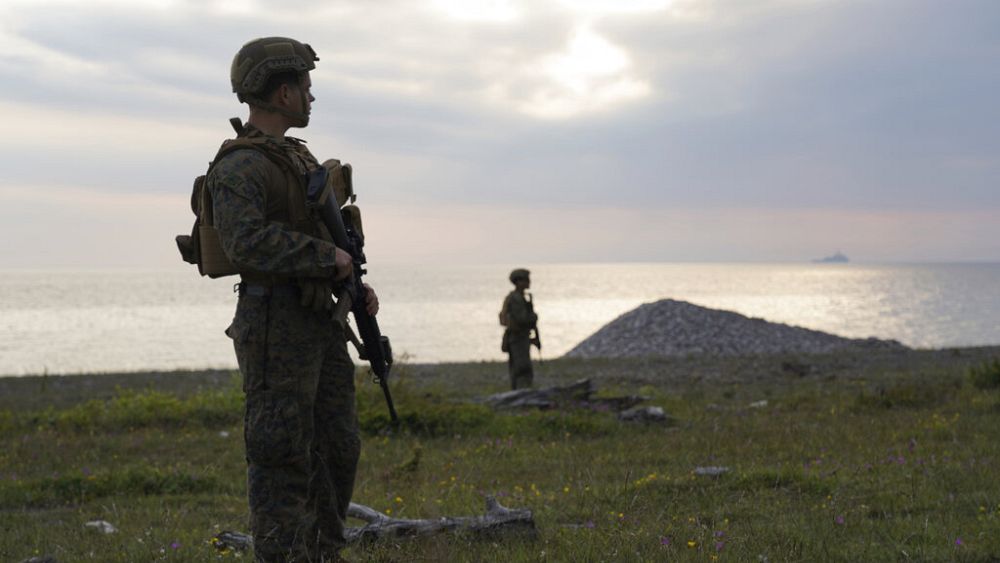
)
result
[(521, 322), (301, 432)]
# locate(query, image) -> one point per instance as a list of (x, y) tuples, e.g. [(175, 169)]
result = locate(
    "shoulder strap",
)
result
[(259, 144), (248, 138)]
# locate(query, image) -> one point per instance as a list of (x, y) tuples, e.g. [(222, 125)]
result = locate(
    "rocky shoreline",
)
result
[(670, 328)]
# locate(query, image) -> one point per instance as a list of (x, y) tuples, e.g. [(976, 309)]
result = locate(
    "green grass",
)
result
[(986, 375), (869, 460)]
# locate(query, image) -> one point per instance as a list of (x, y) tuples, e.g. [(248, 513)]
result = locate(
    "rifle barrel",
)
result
[(377, 349)]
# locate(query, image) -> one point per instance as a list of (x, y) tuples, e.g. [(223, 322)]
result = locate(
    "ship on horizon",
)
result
[(835, 258)]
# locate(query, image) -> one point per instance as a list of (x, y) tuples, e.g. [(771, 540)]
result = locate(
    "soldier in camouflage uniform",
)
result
[(301, 434), (518, 315)]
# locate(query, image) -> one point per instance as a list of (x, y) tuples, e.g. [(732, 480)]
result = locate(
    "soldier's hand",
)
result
[(344, 265), (371, 301), (316, 294)]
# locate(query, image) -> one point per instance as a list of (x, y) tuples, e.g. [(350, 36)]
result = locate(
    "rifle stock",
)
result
[(375, 348)]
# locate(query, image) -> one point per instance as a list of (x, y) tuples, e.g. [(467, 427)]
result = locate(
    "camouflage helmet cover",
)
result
[(519, 274), (261, 58)]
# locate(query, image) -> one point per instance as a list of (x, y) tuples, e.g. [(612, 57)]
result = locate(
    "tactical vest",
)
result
[(285, 201)]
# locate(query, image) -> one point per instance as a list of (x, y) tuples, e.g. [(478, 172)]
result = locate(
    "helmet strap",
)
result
[(304, 116), (299, 117)]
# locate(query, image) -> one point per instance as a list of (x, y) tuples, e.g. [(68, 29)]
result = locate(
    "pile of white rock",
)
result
[(679, 328)]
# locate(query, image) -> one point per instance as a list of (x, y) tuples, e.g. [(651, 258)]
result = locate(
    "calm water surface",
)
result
[(94, 321)]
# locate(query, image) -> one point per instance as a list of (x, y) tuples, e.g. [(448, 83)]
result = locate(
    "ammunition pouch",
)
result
[(339, 181), (352, 215), (203, 246)]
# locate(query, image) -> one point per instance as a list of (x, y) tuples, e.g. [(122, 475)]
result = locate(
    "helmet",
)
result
[(519, 274), (261, 58)]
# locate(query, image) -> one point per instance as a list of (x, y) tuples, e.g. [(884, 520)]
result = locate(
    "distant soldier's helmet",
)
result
[(261, 58), (519, 274)]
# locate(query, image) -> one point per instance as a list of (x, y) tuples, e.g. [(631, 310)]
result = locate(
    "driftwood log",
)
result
[(497, 521), (645, 415), (578, 394)]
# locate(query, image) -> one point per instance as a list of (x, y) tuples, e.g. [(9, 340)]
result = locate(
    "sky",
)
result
[(499, 131)]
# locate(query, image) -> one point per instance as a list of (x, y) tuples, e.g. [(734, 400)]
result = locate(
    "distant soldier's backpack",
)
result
[(504, 315)]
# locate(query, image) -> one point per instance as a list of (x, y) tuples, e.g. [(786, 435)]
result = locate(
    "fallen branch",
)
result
[(644, 415), (546, 398), (578, 394), (498, 520)]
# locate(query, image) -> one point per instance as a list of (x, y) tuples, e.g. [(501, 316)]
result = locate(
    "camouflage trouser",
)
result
[(300, 427), (519, 361)]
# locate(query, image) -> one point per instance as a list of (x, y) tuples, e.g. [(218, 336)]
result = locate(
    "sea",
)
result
[(93, 321)]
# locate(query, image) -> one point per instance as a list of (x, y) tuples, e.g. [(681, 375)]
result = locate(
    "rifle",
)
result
[(375, 347), (537, 339)]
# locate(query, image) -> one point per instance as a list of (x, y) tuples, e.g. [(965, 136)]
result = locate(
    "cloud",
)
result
[(20, 53), (108, 153), (60, 130), (69, 226), (673, 109), (480, 11), (594, 8), (507, 234), (77, 226)]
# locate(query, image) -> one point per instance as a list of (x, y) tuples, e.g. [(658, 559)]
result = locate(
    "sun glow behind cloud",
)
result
[(590, 75)]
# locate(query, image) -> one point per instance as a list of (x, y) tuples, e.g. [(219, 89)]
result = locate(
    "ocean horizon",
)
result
[(66, 321)]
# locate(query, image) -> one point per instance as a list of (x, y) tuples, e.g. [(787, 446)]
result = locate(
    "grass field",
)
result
[(875, 457)]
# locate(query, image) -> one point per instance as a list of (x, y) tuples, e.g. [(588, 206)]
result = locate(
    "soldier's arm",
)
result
[(237, 184)]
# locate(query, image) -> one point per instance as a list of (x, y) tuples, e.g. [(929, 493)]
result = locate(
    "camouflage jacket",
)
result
[(256, 232), (520, 313)]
